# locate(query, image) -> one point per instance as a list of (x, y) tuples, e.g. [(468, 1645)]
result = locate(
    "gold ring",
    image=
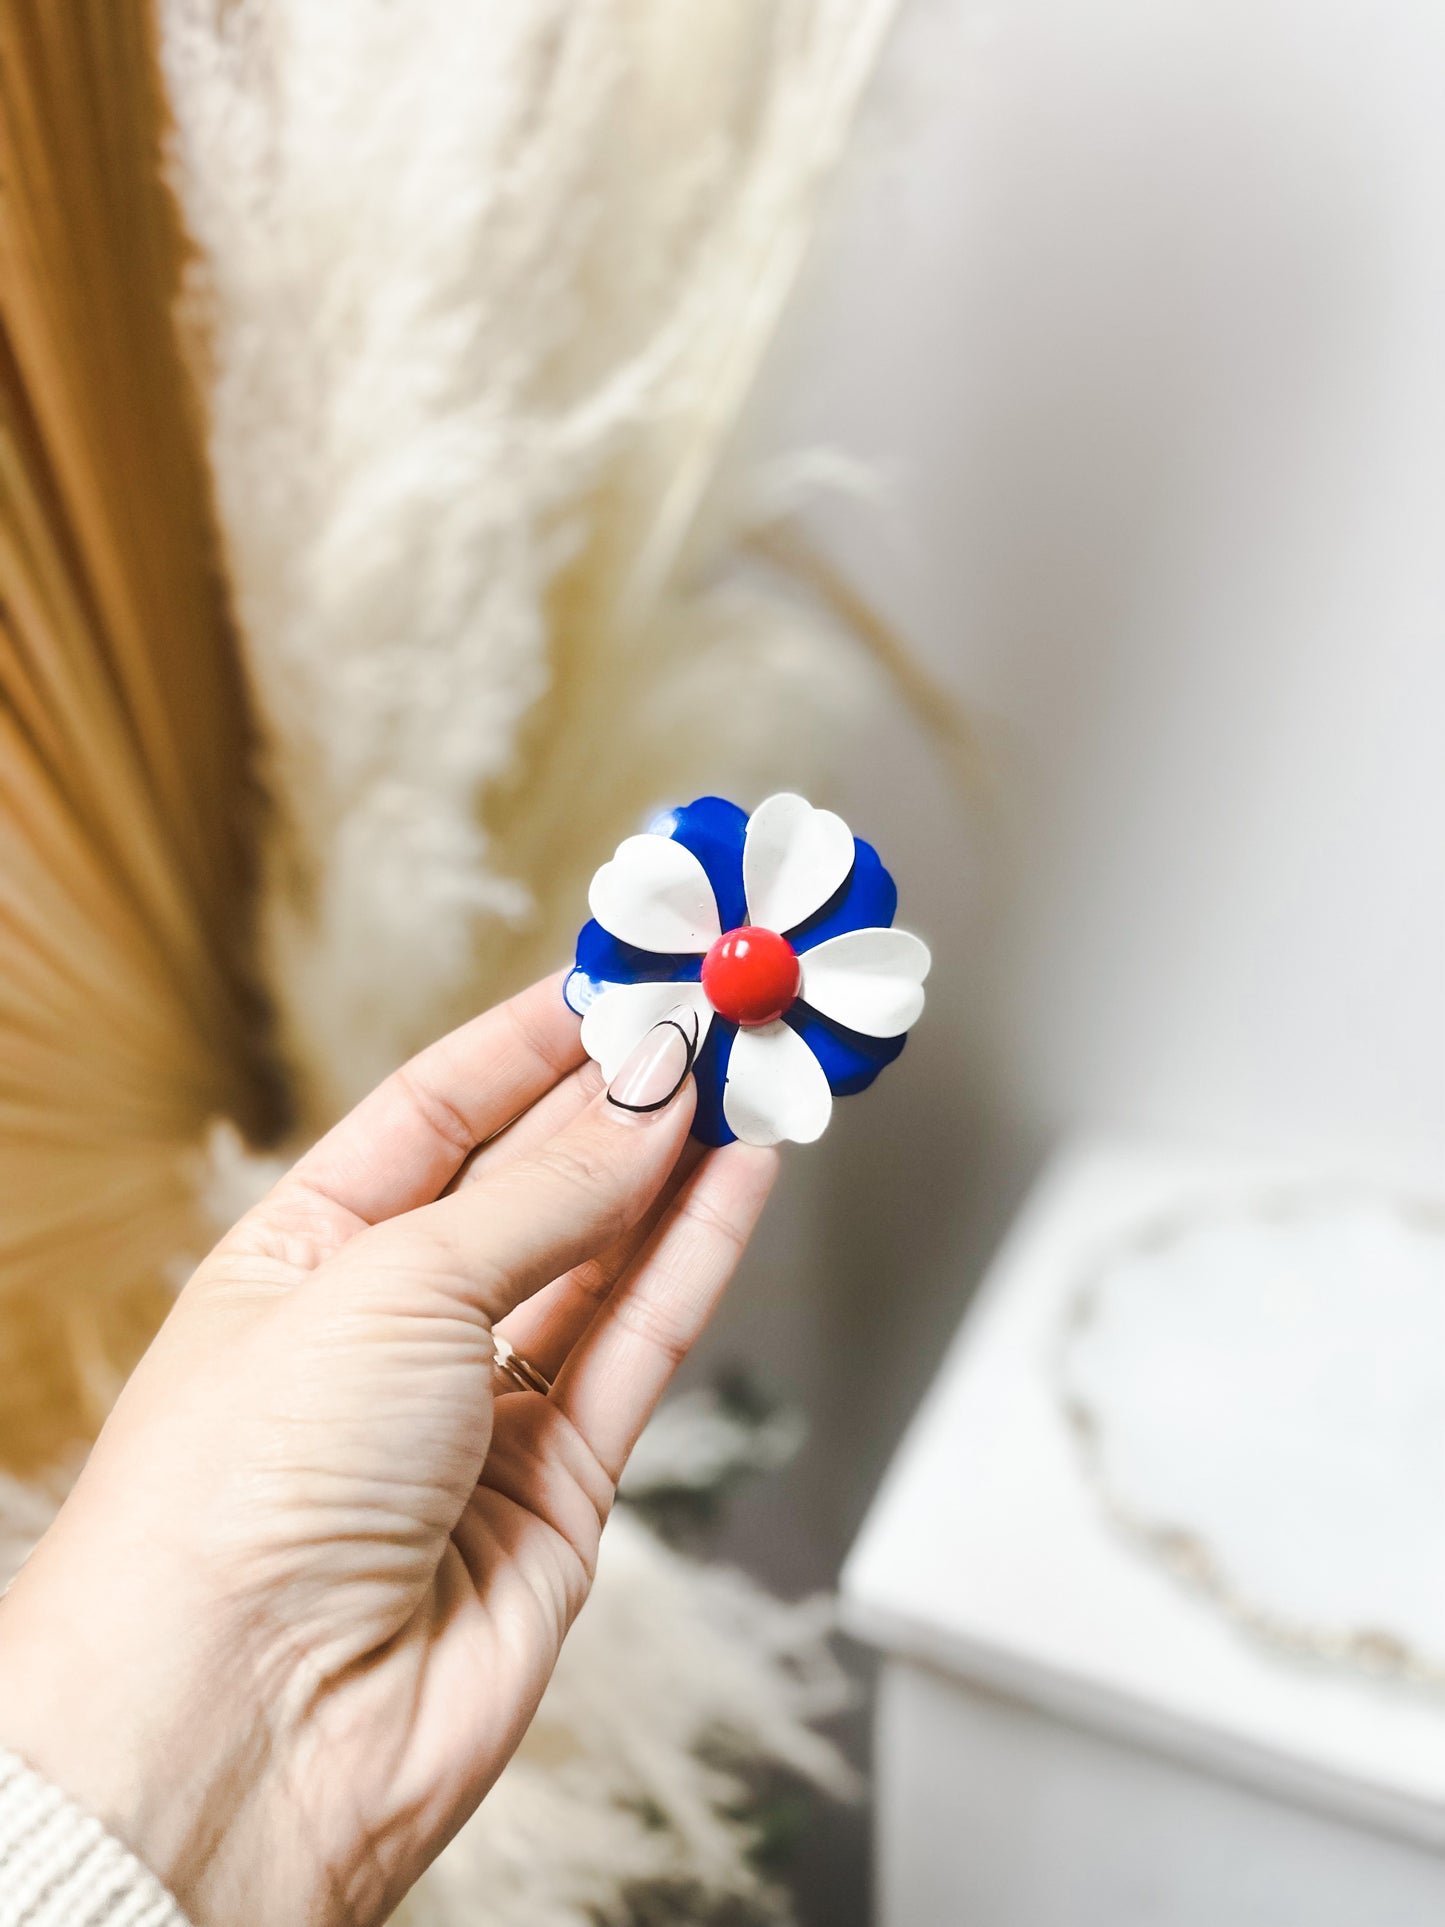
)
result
[(518, 1371)]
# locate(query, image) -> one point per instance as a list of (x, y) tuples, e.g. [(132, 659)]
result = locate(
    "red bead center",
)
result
[(751, 976)]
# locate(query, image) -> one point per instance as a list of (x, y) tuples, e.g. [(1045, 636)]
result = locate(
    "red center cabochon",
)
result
[(751, 976)]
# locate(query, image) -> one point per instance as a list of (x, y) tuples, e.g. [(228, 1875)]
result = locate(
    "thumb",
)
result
[(493, 1242)]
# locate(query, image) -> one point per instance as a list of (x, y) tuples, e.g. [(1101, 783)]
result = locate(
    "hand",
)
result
[(305, 1597)]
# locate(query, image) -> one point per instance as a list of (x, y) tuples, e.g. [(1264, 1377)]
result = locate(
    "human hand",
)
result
[(305, 1597)]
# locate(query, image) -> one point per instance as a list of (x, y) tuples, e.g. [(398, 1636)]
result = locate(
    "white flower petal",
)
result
[(623, 1014), (775, 1088), (655, 894), (794, 858), (870, 980)]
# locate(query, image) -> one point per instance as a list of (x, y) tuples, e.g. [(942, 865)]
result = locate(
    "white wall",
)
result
[(1139, 308)]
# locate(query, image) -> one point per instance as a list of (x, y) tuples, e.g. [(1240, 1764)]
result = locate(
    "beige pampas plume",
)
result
[(482, 289)]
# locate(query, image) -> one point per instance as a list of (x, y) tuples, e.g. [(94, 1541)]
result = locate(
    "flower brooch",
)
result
[(774, 930)]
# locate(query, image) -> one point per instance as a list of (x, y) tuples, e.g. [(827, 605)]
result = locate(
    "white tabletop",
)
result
[(988, 1554)]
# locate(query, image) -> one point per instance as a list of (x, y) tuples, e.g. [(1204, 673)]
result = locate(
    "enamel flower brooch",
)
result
[(774, 931)]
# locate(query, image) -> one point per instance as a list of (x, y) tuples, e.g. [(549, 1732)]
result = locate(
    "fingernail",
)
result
[(658, 1066)]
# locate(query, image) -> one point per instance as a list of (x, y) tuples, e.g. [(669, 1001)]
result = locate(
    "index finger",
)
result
[(403, 1143)]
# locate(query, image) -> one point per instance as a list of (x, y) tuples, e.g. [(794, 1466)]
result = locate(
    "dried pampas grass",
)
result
[(481, 292)]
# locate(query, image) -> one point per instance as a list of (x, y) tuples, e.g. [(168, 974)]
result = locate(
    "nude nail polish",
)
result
[(657, 1068)]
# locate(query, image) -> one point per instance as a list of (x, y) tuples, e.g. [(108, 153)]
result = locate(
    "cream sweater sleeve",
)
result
[(60, 1868)]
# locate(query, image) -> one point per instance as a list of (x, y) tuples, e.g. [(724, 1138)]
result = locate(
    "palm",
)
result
[(441, 1706)]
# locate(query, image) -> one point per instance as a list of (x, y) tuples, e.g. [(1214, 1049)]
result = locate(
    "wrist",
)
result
[(132, 1706)]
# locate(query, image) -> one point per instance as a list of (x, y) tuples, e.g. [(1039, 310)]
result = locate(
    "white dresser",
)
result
[(1069, 1732)]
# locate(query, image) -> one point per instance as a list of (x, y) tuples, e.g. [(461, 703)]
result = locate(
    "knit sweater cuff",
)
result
[(60, 1868)]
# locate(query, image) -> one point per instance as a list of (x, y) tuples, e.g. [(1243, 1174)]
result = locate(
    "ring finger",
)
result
[(546, 1327)]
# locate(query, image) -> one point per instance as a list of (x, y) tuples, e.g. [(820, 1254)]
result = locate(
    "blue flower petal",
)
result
[(709, 1074), (867, 901), (850, 1060), (713, 829), (603, 959)]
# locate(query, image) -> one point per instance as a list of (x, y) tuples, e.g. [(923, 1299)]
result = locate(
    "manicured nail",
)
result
[(657, 1069)]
